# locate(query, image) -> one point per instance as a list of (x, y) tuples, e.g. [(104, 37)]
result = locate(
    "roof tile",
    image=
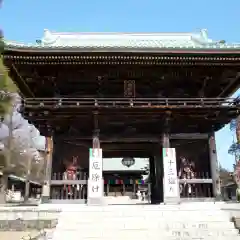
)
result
[(52, 40)]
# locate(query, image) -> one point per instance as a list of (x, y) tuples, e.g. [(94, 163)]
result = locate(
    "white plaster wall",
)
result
[(115, 164)]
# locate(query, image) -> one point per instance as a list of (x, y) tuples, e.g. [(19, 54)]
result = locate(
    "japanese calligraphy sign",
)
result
[(129, 88), (95, 183), (171, 185)]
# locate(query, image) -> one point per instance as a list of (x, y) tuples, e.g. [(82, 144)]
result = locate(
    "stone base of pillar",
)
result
[(45, 198), (218, 198), (96, 202), (171, 201)]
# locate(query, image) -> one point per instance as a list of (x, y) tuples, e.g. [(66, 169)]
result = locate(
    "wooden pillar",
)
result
[(158, 160), (165, 140), (166, 131), (124, 191), (48, 170), (216, 184), (159, 168), (134, 189), (108, 188), (152, 179), (158, 164)]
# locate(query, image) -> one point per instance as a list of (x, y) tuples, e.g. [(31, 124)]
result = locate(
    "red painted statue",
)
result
[(186, 171), (71, 173)]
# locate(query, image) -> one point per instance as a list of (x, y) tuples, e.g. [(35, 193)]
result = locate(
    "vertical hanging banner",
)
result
[(95, 182), (171, 183)]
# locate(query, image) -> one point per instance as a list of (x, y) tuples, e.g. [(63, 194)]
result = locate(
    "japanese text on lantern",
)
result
[(95, 173)]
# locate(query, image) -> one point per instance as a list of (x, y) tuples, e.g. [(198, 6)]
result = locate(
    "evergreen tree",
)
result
[(234, 150)]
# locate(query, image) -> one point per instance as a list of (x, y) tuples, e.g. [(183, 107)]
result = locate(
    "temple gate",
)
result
[(136, 95)]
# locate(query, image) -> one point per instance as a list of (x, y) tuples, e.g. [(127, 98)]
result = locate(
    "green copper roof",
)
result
[(117, 41)]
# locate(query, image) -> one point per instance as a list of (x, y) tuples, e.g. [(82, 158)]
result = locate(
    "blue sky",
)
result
[(25, 20)]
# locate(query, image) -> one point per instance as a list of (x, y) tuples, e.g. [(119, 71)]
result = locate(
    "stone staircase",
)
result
[(166, 222), (26, 222), (122, 200)]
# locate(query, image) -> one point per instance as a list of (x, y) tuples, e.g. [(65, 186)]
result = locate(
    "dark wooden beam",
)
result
[(83, 78), (139, 139), (231, 81), (22, 81)]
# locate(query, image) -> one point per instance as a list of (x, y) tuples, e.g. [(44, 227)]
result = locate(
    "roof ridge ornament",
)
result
[(202, 38), (204, 34), (46, 34), (48, 37)]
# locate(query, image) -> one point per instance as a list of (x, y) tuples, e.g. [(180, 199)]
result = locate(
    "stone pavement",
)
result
[(205, 221), (24, 223)]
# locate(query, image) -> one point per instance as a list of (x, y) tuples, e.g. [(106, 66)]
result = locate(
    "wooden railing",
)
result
[(49, 103), (69, 189), (199, 186)]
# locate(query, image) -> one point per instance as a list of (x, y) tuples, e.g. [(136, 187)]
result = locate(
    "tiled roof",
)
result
[(141, 41)]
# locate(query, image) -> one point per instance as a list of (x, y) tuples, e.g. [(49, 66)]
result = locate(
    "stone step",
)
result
[(140, 212), (25, 225), (138, 234), (95, 209), (146, 214), (145, 224), (160, 232), (79, 237), (31, 215), (117, 208), (115, 220)]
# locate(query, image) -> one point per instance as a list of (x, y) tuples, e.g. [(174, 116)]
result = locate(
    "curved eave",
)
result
[(80, 49), (130, 57)]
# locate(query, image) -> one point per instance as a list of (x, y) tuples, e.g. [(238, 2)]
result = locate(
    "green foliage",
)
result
[(234, 150), (1, 43), (233, 125)]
